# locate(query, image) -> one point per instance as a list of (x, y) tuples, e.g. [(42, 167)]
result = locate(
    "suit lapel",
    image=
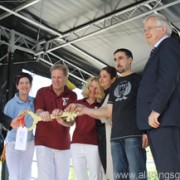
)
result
[(150, 60)]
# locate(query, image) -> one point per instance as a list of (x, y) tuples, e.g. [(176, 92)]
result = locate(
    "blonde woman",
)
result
[(84, 145)]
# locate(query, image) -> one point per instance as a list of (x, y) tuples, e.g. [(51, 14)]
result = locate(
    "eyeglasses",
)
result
[(150, 28)]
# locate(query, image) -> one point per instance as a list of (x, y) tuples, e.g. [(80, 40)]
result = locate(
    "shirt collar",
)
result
[(19, 100), (158, 42), (66, 90)]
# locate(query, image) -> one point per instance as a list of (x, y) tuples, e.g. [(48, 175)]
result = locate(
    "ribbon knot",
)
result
[(153, 50)]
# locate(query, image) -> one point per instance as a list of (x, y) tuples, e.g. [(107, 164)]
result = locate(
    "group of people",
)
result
[(117, 118)]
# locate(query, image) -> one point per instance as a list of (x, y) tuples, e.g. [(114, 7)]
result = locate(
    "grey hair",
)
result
[(161, 21)]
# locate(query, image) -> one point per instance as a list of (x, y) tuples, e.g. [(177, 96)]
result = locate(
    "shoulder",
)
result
[(69, 92), (169, 49), (10, 106), (116, 82), (12, 101), (31, 98), (169, 43), (81, 101), (44, 90), (136, 77)]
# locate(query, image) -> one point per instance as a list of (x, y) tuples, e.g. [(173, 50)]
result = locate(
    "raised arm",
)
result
[(102, 112)]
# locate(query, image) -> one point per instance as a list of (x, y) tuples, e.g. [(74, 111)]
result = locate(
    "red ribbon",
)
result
[(21, 121)]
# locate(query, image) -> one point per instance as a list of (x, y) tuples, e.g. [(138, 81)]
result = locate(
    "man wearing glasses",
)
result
[(158, 98)]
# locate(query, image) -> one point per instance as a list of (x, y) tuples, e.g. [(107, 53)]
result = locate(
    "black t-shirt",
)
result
[(123, 97)]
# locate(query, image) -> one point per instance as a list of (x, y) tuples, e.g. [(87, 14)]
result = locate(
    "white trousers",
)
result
[(19, 162), (86, 156), (52, 164)]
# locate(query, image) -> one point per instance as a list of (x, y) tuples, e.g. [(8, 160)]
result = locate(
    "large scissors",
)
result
[(67, 116)]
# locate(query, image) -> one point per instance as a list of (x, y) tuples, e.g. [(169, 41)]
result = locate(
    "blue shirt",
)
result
[(12, 109)]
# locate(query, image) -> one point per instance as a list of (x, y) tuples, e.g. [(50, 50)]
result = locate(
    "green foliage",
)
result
[(71, 175), (152, 175), (151, 170)]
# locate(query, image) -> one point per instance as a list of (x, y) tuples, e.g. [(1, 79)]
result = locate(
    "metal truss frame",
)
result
[(113, 20), (43, 49), (15, 40)]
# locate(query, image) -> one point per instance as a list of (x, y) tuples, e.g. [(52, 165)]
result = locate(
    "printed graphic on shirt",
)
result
[(122, 90), (65, 100)]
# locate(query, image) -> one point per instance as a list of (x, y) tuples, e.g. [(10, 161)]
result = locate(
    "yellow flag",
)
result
[(70, 85)]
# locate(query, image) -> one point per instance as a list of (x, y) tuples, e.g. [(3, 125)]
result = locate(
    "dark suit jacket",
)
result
[(5, 120), (159, 88)]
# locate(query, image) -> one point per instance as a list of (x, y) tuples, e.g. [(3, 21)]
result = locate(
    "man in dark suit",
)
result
[(158, 99), (7, 121)]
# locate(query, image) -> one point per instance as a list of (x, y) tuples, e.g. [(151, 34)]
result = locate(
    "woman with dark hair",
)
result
[(19, 161), (107, 77), (103, 125)]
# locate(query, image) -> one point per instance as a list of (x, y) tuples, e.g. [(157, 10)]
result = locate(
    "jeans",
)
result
[(129, 159)]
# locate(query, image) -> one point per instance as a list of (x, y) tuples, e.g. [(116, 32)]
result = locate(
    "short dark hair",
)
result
[(111, 71), (126, 51), (22, 75)]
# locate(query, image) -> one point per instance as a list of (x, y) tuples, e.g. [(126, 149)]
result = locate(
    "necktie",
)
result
[(153, 50)]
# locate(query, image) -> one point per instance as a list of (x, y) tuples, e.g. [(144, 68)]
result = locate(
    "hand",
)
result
[(70, 108), (60, 121), (15, 123), (73, 107), (64, 123), (57, 112), (81, 110), (145, 143), (45, 116), (153, 119), (22, 113)]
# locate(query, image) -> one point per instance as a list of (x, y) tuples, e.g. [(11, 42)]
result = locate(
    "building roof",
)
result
[(82, 34)]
